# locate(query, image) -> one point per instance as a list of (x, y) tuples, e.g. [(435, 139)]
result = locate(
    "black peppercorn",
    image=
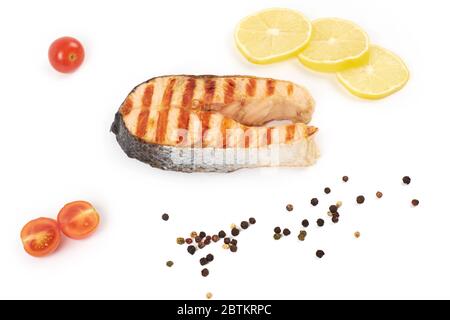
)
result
[(333, 208), (235, 232), (320, 222), (165, 217), (277, 230), (406, 180), (203, 261), (226, 240), (209, 257), (244, 225), (327, 190), (252, 220), (234, 242), (201, 245), (286, 231), (205, 272), (415, 202), (305, 223), (360, 199), (202, 234), (320, 253), (314, 201), (345, 178), (191, 249), (289, 207), (233, 248), (222, 234)]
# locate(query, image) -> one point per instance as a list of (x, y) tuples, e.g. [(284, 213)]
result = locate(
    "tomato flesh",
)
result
[(40, 237), (66, 54), (78, 219)]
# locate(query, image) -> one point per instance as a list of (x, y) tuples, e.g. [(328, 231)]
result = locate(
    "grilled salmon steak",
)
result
[(216, 123)]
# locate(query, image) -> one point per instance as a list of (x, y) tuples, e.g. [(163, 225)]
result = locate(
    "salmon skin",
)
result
[(216, 123)]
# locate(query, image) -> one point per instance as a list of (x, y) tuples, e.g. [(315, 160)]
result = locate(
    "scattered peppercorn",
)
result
[(289, 207), (233, 242), (202, 234), (215, 238), (277, 230), (339, 204), (198, 239), (286, 231), (227, 240), (209, 295), (379, 194), (225, 246), (314, 201), (193, 234), (209, 257), (320, 253), (415, 202), (169, 263), (208, 238), (222, 234), (327, 190), (233, 248), (333, 208), (357, 234), (207, 241), (305, 223), (335, 218), (232, 226), (203, 261), (205, 272), (345, 178), (191, 249), (165, 217), (252, 220), (235, 232), (277, 236), (201, 245), (406, 180), (302, 235), (244, 225), (188, 240), (360, 199), (180, 240), (320, 222)]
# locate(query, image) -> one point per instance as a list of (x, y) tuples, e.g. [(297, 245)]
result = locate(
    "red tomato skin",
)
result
[(44, 225), (66, 54), (78, 228)]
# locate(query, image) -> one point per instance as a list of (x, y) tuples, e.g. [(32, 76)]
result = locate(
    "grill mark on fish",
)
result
[(183, 123), (269, 136), (290, 132), (210, 88), (226, 124), (290, 89), (141, 128), (127, 106), (230, 86), (204, 118), (270, 87), (188, 93), (168, 93), (161, 126), (250, 87)]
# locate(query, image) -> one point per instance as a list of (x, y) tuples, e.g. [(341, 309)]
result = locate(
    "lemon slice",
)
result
[(335, 45), (272, 35), (384, 74)]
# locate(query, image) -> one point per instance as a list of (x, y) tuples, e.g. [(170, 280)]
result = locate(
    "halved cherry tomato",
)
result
[(78, 219), (40, 237), (66, 54)]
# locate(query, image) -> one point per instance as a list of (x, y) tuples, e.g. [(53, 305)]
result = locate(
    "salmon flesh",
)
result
[(217, 123)]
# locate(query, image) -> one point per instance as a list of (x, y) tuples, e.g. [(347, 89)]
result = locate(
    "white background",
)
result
[(56, 147)]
